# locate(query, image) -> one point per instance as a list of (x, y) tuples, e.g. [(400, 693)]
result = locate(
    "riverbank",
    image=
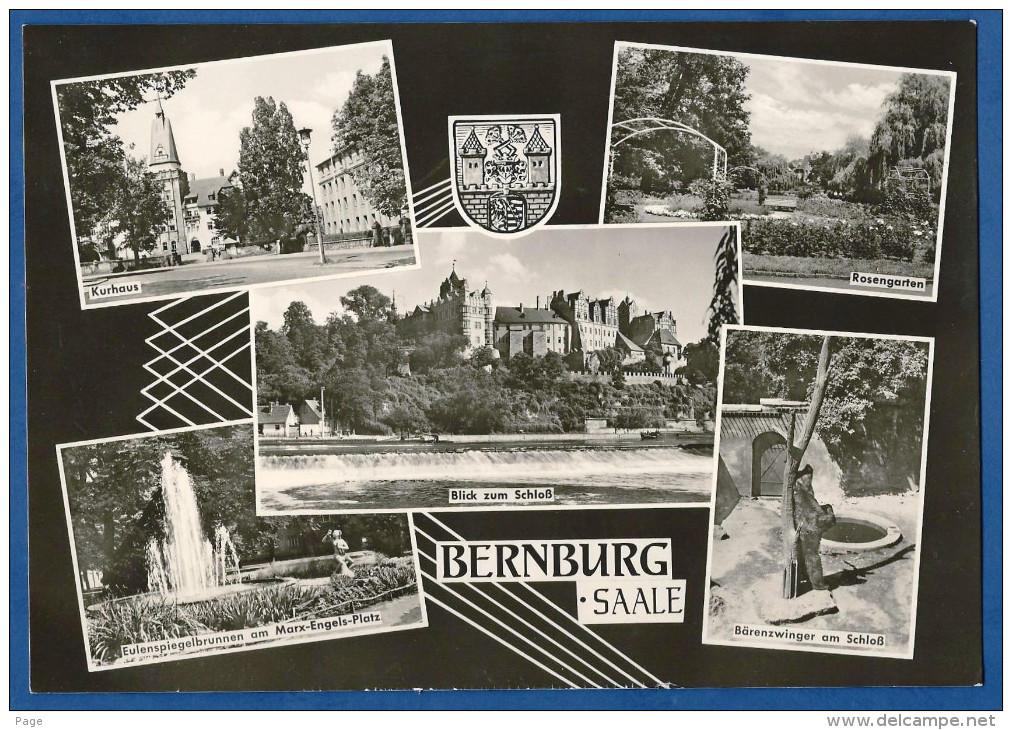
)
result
[(309, 445)]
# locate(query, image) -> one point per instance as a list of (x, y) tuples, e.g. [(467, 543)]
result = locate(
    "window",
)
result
[(173, 247)]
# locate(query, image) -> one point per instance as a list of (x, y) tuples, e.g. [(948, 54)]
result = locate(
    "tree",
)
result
[(701, 362), (230, 216), (367, 302), (723, 305), (368, 124), (271, 173), (139, 208), (94, 155), (308, 340), (704, 91), (912, 127), (609, 359), (279, 378), (438, 350)]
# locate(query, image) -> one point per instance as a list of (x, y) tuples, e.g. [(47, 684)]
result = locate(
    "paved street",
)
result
[(238, 273)]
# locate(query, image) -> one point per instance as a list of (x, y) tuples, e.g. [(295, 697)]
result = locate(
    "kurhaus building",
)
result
[(192, 202), (573, 325), (345, 209)]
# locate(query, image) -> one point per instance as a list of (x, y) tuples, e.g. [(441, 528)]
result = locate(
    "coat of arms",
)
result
[(506, 170)]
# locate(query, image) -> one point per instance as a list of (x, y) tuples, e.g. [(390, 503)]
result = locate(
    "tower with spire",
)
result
[(164, 164), (472, 160), (539, 156)]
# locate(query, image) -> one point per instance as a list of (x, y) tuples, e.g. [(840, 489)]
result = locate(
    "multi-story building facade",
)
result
[(572, 325), (344, 208)]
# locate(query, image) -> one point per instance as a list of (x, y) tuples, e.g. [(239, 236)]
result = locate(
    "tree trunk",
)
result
[(792, 460), (109, 539)]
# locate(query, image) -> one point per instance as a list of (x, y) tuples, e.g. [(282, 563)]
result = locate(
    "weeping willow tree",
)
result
[(723, 305), (911, 129)]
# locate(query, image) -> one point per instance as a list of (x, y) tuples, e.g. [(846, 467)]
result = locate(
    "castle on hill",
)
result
[(570, 324)]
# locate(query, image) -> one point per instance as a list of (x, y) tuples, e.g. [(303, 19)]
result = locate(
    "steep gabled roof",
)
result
[(310, 413), (537, 144), (527, 315), (628, 344), (275, 413), (201, 190), (667, 337), (473, 146)]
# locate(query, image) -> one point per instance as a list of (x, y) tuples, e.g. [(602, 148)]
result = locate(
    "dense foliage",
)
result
[(271, 175), (95, 156), (872, 418), (893, 238), (115, 502), (368, 124), (378, 380)]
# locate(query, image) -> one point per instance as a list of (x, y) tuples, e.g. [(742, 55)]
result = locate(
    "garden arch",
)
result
[(645, 125), (769, 452)]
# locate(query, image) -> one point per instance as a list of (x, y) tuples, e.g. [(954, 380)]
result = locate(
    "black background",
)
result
[(85, 367)]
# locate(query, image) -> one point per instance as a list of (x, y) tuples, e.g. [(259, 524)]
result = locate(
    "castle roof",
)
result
[(537, 144), (473, 146), (163, 142), (201, 190), (526, 315), (629, 344), (667, 337)]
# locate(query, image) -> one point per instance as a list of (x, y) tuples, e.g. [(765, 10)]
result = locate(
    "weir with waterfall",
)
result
[(182, 562), (378, 476)]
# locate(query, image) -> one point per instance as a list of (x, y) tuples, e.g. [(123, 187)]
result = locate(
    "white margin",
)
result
[(951, 75), (740, 301), (93, 667), (794, 646), (85, 305)]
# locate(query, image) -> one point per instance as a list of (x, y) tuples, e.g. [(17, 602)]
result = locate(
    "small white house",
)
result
[(311, 418), (277, 420)]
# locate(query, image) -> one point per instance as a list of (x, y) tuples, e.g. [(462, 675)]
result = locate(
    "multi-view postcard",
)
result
[(173, 562), (575, 366), (837, 171), (205, 177), (818, 495)]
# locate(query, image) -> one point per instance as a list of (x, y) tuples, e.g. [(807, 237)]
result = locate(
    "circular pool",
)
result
[(856, 532)]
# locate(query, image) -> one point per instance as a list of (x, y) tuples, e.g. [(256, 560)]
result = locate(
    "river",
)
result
[(331, 476)]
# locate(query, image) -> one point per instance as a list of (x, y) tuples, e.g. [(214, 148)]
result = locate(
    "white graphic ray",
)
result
[(527, 623), (569, 618)]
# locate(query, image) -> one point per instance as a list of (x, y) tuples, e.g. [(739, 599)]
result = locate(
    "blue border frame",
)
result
[(985, 697)]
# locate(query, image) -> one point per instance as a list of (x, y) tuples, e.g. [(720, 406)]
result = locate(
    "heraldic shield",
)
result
[(506, 170)]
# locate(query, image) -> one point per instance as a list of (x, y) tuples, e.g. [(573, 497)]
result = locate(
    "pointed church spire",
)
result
[(163, 142)]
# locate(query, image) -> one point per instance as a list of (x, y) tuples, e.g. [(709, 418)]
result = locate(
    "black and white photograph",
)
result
[(173, 562), (837, 171), (818, 496), (229, 174), (574, 366)]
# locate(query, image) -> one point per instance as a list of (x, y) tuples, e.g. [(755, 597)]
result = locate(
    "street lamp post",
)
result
[(304, 137)]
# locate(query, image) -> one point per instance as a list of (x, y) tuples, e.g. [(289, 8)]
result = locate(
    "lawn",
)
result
[(819, 267)]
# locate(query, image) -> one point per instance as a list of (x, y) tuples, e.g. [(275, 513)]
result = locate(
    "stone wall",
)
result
[(539, 201)]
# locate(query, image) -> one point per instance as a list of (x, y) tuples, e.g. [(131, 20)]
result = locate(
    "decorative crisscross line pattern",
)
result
[(514, 615), (202, 370)]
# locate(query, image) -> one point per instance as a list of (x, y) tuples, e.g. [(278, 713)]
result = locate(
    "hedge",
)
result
[(871, 239)]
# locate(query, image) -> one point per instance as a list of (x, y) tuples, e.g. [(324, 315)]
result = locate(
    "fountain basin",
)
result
[(208, 594), (856, 532)]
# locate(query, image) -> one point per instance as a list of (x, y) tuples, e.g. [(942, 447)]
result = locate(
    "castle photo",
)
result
[(574, 361)]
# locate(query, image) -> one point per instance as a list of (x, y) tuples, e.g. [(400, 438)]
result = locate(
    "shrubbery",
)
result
[(870, 239)]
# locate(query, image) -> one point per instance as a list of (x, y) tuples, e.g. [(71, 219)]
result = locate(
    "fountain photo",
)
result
[(235, 173), (819, 491), (837, 171), (172, 561), (576, 366)]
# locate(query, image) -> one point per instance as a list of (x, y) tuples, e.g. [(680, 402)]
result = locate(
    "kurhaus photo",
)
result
[(837, 171), (575, 366), (822, 441), (230, 174), (172, 561)]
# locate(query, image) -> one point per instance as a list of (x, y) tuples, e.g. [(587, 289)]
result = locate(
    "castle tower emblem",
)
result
[(506, 171)]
